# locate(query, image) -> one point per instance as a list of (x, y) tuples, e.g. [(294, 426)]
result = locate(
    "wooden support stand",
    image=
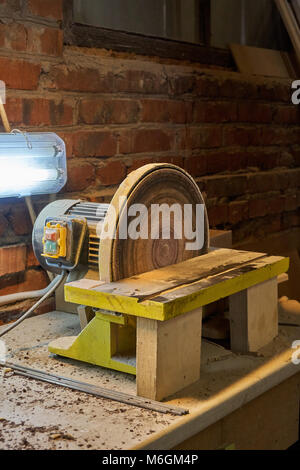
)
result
[(168, 354), (254, 317), (167, 304)]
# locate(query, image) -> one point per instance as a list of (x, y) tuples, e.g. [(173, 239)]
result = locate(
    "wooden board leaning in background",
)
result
[(268, 62)]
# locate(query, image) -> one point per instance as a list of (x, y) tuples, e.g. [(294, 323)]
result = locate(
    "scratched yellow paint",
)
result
[(158, 310), (96, 344)]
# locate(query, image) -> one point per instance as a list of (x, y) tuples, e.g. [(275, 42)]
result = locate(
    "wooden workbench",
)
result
[(249, 401)]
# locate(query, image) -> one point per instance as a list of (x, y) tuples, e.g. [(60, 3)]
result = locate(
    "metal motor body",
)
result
[(93, 213)]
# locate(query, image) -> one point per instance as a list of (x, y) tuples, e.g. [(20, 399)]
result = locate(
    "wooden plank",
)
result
[(168, 304), (86, 314), (222, 285), (254, 317), (259, 61), (92, 36), (270, 422), (296, 8), (168, 354), (291, 24), (12, 259), (224, 402), (176, 275)]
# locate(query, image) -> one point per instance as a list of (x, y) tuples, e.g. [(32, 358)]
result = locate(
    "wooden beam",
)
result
[(291, 23), (91, 36), (76, 34), (254, 317), (168, 354), (168, 292)]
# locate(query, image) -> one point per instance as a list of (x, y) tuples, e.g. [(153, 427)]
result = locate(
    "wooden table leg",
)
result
[(254, 317), (168, 354)]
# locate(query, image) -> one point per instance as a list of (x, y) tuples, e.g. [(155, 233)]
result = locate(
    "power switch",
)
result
[(54, 240)]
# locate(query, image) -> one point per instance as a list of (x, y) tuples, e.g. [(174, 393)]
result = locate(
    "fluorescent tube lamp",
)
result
[(31, 163)]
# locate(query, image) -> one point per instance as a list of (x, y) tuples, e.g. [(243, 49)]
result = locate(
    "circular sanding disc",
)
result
[(151, 184)]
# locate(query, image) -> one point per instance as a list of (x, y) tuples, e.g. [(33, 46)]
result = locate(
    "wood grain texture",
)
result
[(168, 354), (162, 301), (259, 61), (254, 317), (91, 36)]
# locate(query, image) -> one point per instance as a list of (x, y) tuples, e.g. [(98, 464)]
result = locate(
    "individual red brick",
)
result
[(286, 159), (292, 136), (137, 163), (140, 81), (272, 135), (258, 208), (202, 137), (230, 87), (249, 111), (263, 159), (218, 215), (41, 111), (67, 137), (182, 84), (31, 260), (291, 202), (94, 144), (145, 140), (237, 212), (15, 35), (80, 176), (293, 178), (51, 41), (34, 279), (34, 39), (287, 115), (20, 221), (207, 86), (196, 166), (290, 219), (276, 205), (12, 259), (19, 74), (36, 112), (166, 111), (14, 110), (100, 111), (51, 9), (113, 172), (220, 161), (225, 185), (61, 113), (215, 112), (81, 79), (274, 92), (242, 136), (274, 224), (174, 160), (263, 182)]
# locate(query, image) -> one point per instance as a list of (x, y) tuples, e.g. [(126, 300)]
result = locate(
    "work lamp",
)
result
[(31, 163)]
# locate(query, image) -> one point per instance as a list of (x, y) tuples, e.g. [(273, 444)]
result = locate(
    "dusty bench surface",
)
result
[(31, 412), (174, 290)]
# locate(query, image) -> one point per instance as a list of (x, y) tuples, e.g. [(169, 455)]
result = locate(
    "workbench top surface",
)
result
[(37, 415), (170, 291)]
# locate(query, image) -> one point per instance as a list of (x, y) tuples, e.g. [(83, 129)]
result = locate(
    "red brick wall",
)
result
[(237, 135)]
